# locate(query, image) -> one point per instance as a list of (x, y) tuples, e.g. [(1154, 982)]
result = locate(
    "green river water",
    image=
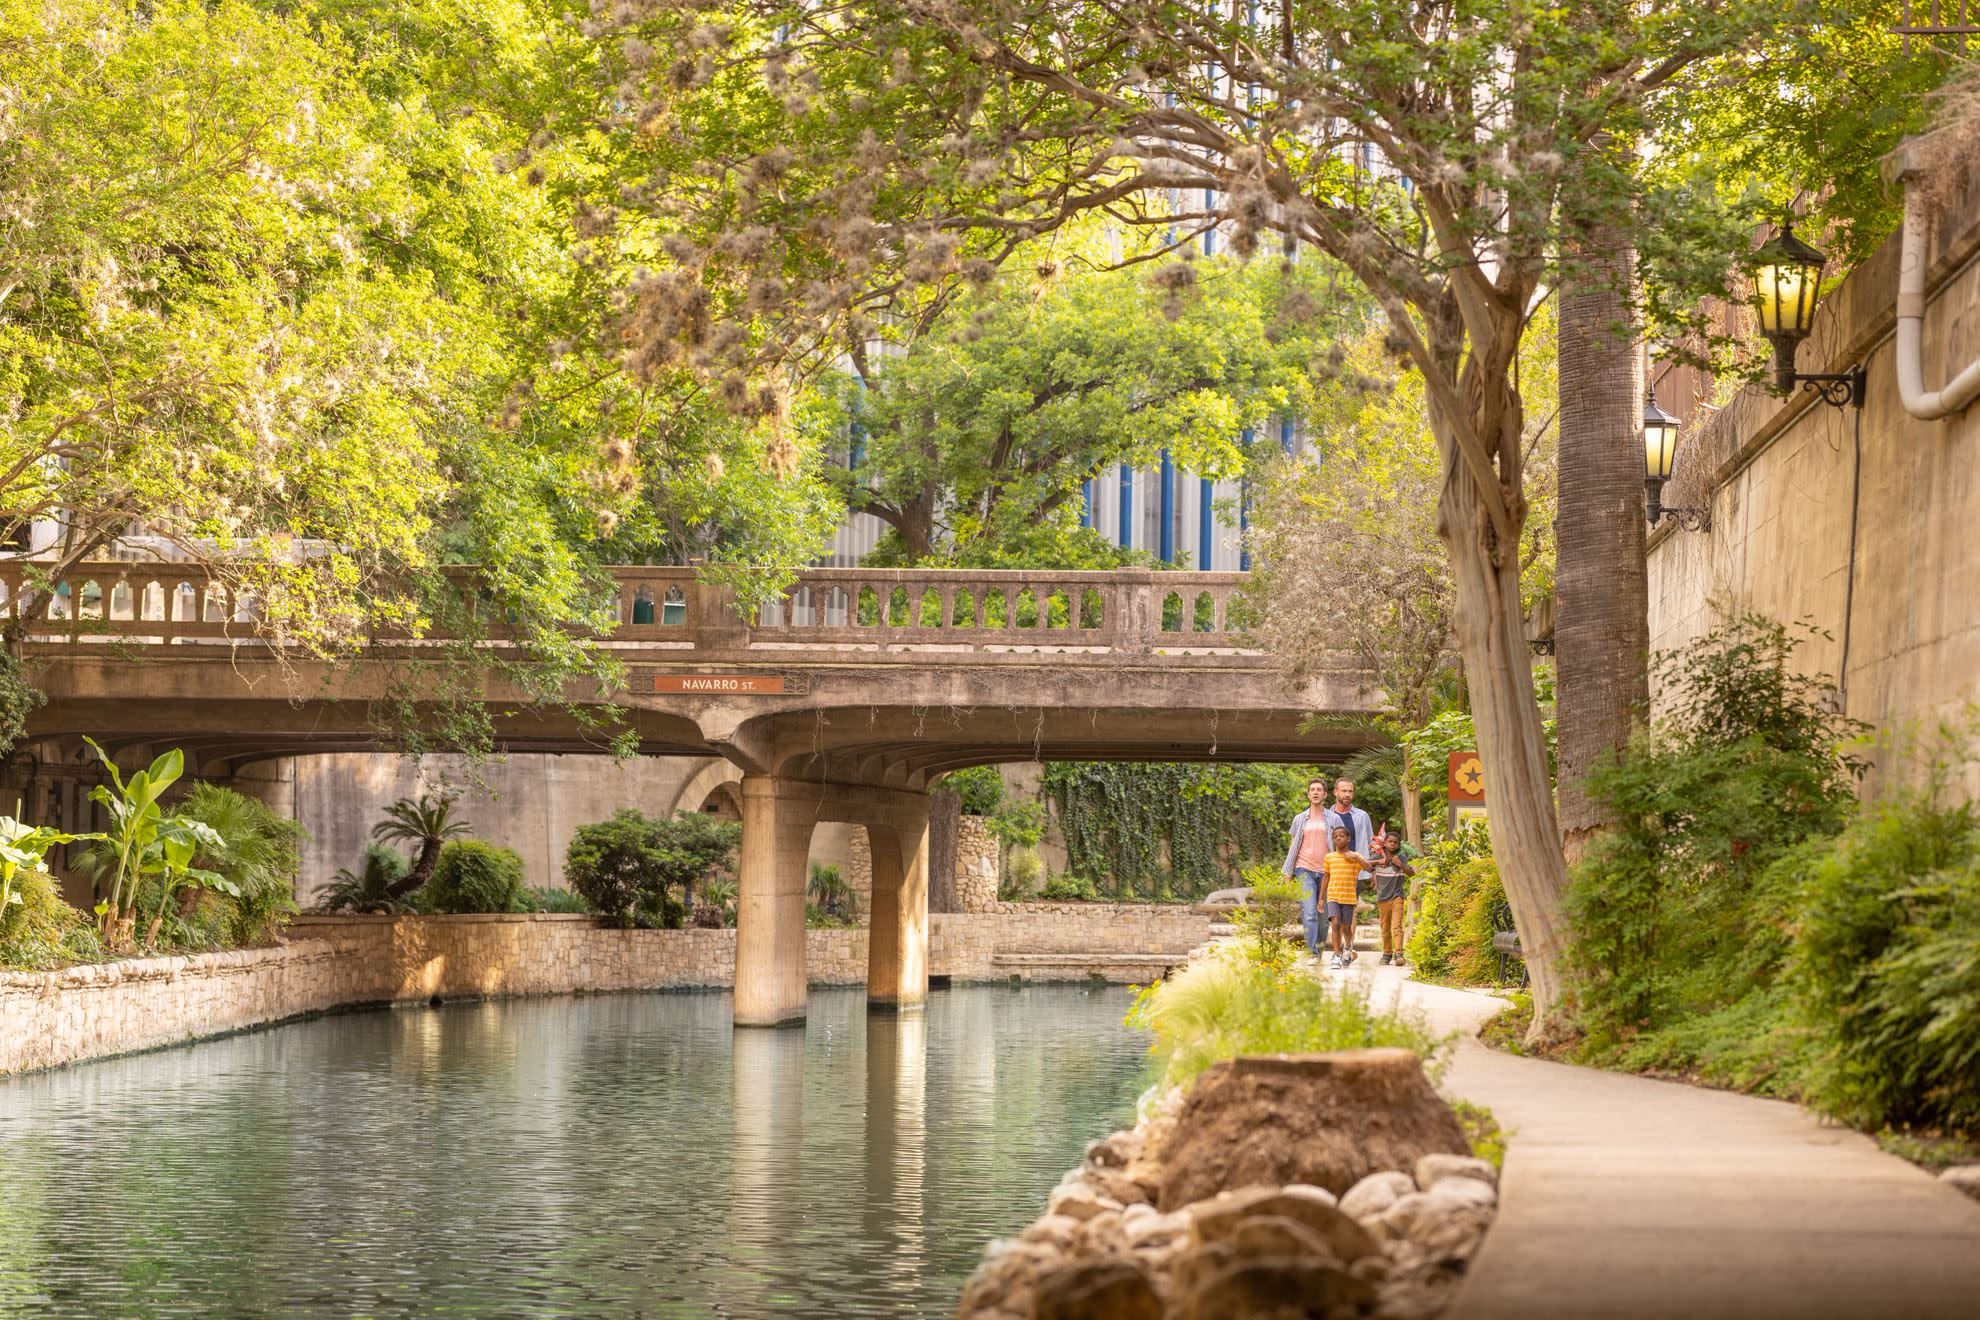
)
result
[(616, 1155)]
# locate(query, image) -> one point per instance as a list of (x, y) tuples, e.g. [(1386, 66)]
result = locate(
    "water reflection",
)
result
[(616, 1155)]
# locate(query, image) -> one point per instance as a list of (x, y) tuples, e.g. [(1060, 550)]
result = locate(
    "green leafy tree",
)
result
[(985, 428), (1425, 149), (628, 867), (1351, 567)]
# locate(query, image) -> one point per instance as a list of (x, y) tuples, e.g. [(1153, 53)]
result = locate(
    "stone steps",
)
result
[(1060, 965)]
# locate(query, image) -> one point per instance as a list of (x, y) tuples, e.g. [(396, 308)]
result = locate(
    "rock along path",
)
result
[(1625, 1196)]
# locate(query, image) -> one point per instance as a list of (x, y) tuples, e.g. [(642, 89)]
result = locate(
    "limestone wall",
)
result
[(90, 1012), (979, 865), (113, 1008), (1781, 477)]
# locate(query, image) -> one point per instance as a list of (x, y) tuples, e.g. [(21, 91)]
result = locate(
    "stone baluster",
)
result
[(1140, 612)]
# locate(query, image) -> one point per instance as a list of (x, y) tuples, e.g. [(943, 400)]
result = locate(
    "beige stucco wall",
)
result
[(532, 803), (91, 1012), (1778, 477)]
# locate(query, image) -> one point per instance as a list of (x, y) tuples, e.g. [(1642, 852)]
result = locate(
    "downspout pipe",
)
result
[(1960, 392)]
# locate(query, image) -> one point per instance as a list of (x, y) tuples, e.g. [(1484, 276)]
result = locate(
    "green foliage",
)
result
[(981, 792), (473, 876), (18, 699), (1024, 877), (1482, 1131), (628, 867), (830, 897), (543, 898), (369, 888), (1680, 910), (38, 930), (259, 852), (1226, 1004), (1462, 904), (1886, 965), (1262, 921), (1169, 831), (426, 822), (981, 433), (717, 905)]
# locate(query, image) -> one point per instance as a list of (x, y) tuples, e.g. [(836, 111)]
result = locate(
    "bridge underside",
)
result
[(854, 738)]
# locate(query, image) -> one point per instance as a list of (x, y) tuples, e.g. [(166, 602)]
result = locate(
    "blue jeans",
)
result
[(1309, 907)]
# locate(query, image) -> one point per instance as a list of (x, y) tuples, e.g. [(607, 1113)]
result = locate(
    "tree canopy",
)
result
[(984, 429)]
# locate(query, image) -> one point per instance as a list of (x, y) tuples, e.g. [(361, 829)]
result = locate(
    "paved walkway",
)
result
[(1624, 1196)]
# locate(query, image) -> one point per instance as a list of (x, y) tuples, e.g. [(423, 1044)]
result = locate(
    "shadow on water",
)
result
[(621, 1155)]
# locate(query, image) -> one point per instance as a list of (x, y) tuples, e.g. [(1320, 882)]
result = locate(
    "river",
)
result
[(621, 1155)]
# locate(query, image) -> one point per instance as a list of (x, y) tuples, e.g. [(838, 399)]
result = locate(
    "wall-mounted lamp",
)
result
[(1787, 283), (1660, 442)]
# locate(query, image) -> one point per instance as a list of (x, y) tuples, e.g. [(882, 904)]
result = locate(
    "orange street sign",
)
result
[(1467, 778), (756, 684)]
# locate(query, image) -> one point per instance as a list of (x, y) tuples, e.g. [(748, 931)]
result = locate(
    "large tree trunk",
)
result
[(1512, 745), (1601, 594)]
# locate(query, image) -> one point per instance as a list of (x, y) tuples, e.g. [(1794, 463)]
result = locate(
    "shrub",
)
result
[(1069, 888), (1886, 964), (1441, 893), (540, 898), (833, 896), (1680, 911), (1261, 922), (1226, 1004), (628, 867), (367, 889), (1024, 872), (260, 855), (40, 930), (472, 876)]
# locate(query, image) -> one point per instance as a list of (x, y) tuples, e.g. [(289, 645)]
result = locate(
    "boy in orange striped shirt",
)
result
[(1343, 873)]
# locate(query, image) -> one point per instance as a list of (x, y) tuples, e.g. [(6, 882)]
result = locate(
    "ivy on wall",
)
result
[(1172, 831)]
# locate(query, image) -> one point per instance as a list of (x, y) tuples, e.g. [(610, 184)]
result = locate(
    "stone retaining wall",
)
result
[(114, 1008)]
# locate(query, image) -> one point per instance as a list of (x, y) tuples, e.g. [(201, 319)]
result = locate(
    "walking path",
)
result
[(1624, 1196)]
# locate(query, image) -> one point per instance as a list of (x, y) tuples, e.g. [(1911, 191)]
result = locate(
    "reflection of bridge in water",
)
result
[(841, 702)]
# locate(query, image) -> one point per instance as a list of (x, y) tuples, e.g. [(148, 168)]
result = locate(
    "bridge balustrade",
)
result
[(942, 609)]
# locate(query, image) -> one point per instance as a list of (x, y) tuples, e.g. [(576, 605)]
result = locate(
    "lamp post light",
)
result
[(1787, 283), (1660, 439)]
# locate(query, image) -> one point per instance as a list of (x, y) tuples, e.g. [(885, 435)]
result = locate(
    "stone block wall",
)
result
[(141, 1003), (331, 961), (1875, 544), (979, 865)]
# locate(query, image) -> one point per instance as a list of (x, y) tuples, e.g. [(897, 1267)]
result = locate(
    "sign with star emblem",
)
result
[(1467, 778)]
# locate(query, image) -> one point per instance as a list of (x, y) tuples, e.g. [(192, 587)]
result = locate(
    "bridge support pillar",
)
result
[(897, 945), (770, 971)]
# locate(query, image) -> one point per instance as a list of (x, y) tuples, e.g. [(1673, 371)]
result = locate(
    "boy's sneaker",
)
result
[(1352, 955), (1337, 964), (1399, 960), (1385, 960)]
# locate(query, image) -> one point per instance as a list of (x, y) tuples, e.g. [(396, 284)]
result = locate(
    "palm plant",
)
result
[(368, 889), (428, 821), (260, 854)]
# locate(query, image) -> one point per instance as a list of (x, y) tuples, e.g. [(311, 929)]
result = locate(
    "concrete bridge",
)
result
[(841, 702)]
